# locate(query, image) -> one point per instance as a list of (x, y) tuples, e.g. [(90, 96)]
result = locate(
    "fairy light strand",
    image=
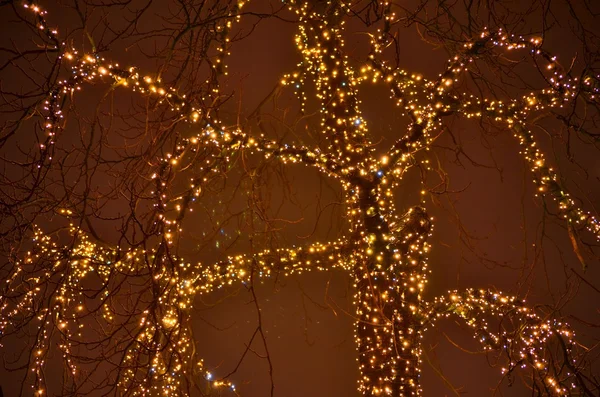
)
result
[(385, 250)]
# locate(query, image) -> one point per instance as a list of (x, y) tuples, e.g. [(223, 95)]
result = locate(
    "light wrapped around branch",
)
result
[(503, 324), (83, 281), (140, 299)]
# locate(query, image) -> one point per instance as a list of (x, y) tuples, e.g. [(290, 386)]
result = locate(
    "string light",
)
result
[(385, 250)]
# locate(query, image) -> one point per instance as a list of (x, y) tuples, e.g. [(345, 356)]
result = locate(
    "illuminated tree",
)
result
[(124, 307)]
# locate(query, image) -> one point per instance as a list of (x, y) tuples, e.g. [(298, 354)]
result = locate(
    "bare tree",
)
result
[(101, 279)]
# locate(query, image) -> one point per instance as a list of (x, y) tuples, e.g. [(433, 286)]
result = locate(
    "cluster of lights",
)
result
[(385, 250), (545, 347), (442, 100)]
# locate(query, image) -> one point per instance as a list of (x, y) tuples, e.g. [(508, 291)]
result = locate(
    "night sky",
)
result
[(489, 229)]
